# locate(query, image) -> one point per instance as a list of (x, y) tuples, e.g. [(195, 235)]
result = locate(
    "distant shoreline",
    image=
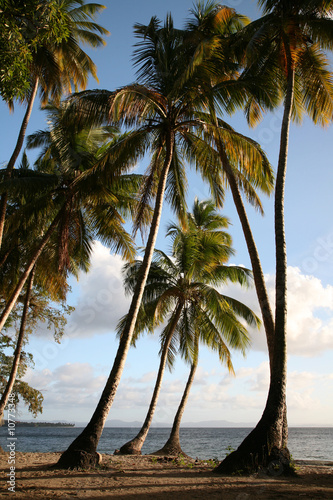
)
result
[(187, 425), (40, 424)]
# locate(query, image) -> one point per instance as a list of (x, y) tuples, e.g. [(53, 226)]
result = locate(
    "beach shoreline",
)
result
[(149, 477)]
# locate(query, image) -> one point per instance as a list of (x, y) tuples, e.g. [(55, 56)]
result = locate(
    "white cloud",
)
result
[(76, 387), (101, 302), (244, 399), (148, 377), (310, 313), (71, 392), (202, 376), (67, 378), (77, 375), (39, 379), (98, 297), (304, 392), (101, 299), (257, 379)]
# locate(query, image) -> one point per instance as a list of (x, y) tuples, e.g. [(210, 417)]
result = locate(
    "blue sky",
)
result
[(72, 374)]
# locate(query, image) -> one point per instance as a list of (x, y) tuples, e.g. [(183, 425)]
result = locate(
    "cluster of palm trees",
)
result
[(84, 188), (181, 293), (32, 200)]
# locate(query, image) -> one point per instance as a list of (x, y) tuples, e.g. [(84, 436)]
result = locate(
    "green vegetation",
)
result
[(39, 305), (81, 187), (55, 62), (18, 423), (26, 27)]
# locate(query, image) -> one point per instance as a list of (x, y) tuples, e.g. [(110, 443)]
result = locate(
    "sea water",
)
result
[(311, 443)]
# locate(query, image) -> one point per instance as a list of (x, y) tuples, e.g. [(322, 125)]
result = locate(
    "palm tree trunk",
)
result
[(172, 446), (280, 345), (18, 147), (82, 451), (33, 259), (258, 274), (19, 344), (4, 258), (134, 446), (267, 443)]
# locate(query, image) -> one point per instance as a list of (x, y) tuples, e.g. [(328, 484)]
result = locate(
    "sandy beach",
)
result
[(148, 477)]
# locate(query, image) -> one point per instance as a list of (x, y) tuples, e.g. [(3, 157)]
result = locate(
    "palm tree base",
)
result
[(171, 449), (253, 455), (130, 448), (242, 462), (78, 459)]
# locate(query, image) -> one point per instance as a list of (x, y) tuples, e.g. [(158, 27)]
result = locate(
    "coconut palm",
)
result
[(45, 284), (59, 65), (287, 41), (181, 290), (213, 31), (161, 108), (165, 108), (173, 447), (44, 279), (202, 332), (87, 197)]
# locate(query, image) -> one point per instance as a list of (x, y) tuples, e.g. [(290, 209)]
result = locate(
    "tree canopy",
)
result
[(25, 26)]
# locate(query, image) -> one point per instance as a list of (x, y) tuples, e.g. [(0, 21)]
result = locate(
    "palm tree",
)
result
[(44, 279), (226, 141), (202, 219), (181, 290), (173, 447), (57, 66), (45, 286), (243, 165), (165, 107), (87, 197), (289, 40), (161, 108)]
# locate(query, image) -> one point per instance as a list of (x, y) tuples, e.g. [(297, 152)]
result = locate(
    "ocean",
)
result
[(311, 443)]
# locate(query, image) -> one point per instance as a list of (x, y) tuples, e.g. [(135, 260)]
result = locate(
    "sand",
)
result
[(148, 477)]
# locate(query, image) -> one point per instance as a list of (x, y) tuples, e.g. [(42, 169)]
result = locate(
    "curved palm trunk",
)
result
[(18, 147), (134, 446), (258, 274), (266, 444), (172, 446), (82, 451), (19, 344), (33, 259)]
